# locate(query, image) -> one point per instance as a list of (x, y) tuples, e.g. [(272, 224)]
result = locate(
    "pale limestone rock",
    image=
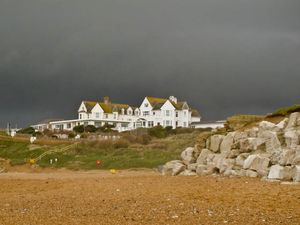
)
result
[(201, 169), (202, 159), (189, 155), (239, 136), (215, 142), (241, 159), (233, 153), (226, 144), (273, 145), (251, 173), (296, 174), (192, 167), (265, 125), (257, 163), (173, 168), (280, 172), (230, 172), (252, 144), (187, 173), (291, 138), (294, 120), (282, 125), (287, 157)]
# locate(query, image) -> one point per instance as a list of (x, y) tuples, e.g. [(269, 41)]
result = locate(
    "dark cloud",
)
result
[(223, 57)]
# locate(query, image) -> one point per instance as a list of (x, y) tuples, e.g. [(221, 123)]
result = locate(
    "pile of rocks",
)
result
[(267, 150)]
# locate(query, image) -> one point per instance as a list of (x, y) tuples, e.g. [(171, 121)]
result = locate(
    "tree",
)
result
[(90, 129)]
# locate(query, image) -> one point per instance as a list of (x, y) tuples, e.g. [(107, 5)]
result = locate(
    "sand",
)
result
[(143, 197)]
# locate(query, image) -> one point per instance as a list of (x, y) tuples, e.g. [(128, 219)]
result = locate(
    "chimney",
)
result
[(173, 99), (106, 100)]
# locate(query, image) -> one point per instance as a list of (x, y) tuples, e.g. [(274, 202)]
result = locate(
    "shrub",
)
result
[(143, 139), (285, 111), (71, 135), (121, 143), (90, 129), (28, 130), (78, 129), (158, 131), (106, 128)]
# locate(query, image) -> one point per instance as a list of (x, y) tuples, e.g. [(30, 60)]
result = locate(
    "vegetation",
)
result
[(129, 151), (79, 129), (285, 111)]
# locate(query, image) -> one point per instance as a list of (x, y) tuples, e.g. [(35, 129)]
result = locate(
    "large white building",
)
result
[(152, 112)]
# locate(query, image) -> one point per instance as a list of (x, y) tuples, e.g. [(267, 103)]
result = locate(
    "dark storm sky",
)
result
[(222, 56)]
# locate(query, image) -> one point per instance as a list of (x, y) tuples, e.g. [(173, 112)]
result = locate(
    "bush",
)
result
[(140, 139), (28, 130), (71, 135), (106, 128), (285, 111), (78, 129), (90, 129), (158, 131), (121, 143)]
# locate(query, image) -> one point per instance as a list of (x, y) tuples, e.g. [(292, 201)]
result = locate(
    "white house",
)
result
[(152, 112)]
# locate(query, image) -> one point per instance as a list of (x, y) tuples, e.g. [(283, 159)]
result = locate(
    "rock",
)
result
[(265, 125), (282, 125), (192, 167), (287, 157), (291, 138), (239, 136), (215, 142), (294, 120), (241, 158), (222, 163), (251, 173), (202, 159), (230, 172), (257, 163), (280, 172), (296, 174), (201, 140), (189, 155), (188, 173), (201, 169), (233, 153), (173, 168), (226, 144), (273, 145), (252, 144)]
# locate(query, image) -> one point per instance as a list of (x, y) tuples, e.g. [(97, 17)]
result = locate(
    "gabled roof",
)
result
[(157, 103), (107, 108)]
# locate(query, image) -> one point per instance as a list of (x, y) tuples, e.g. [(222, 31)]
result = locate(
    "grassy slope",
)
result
[(84, 156)]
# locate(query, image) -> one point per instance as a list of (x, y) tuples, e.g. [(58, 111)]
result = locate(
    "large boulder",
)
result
[(265, 125), (222, 163), (226, 144), (294, 120), (273, 144), (189, 155), (173, 168), (257, 163), (239, 161), (215, 142), (291, 138), (202, 159), (280, 173), (287, 157), (252, 144)]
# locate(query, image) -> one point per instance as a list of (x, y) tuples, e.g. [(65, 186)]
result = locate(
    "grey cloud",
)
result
[(224, 57)]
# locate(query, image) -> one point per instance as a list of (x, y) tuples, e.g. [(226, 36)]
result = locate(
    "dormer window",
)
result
[(146, 104)]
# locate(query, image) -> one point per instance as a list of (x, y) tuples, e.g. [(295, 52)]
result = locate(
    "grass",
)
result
[(285, 111), (85, 154)]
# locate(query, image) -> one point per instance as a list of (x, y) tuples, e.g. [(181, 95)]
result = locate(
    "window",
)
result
[(80, 116), (176, 114), (146, 104), (68, 125), (106, 116), (168, 122), (168, 113), (129, 112), (184, 124), (150, 123), (146, 113), (184, 113), (115, 115), (176, 123), (97, 115), (153, 113)]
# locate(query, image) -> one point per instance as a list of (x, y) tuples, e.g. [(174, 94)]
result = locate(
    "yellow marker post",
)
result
[(32, 161)]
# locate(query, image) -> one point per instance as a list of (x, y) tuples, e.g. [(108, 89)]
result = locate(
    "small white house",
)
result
[(152, 112)]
